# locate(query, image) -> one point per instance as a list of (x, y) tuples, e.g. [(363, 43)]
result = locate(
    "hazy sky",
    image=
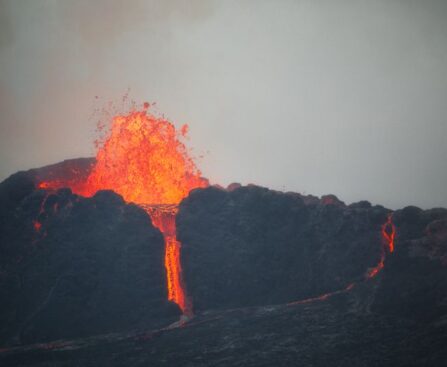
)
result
[(342, 97)]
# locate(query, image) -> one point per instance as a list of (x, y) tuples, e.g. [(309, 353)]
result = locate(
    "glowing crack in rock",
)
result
[(388, 234)]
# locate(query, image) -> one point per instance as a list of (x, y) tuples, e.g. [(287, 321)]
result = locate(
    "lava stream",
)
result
[(163, 217), (389, 235), (389, 232)]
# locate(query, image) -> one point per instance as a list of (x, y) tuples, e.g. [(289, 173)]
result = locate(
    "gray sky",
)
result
[(318, 97)]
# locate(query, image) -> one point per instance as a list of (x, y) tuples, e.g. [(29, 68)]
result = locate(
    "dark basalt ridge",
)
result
[(76, 170), (252, 246), (73, 266)]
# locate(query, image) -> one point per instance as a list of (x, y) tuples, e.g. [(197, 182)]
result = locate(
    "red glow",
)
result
[(376, 270), (389, 232), (37, 225), (389, 235), (143, 159), (163, 217), (46, 185)]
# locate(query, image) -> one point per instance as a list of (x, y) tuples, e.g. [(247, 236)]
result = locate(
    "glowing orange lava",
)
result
[(389, 235), (389, 232), (376, 270), (143, 159), (163, 217)]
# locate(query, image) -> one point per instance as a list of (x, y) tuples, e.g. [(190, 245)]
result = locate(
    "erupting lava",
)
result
[(142, 159)]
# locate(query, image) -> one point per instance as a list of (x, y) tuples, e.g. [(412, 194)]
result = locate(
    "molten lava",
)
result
[(163, 217), (376, 270), (389, 235), (143, 159), (389, 232)]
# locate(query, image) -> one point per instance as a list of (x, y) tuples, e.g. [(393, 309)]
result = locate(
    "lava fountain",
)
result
[(142, 158)]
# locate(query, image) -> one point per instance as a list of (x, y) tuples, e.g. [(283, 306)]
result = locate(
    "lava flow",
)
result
[(389, 235), (163, 217), (389, 232), (143, 159)]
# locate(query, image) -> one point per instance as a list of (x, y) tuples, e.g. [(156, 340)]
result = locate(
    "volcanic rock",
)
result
[(254, 246), (335, 332), (73, 266), (414, 280), (71, 170)]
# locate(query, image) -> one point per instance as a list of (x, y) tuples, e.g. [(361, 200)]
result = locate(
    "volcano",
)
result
[(132, 257), (142, 158)]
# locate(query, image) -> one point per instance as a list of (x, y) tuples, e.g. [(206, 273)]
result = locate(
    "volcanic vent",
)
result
[(142, 158)]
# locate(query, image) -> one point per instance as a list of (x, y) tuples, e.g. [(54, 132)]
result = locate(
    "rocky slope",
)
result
[(254, 246), (336, 332), (72, 266), (414, 280), (256, 263)]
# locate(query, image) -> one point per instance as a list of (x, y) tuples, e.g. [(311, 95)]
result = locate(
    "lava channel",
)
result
[(163, 217)]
